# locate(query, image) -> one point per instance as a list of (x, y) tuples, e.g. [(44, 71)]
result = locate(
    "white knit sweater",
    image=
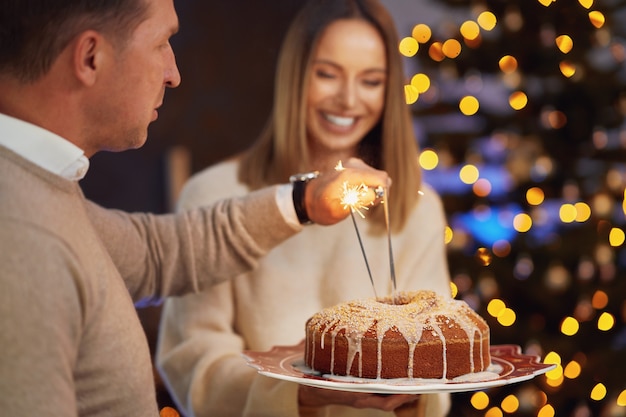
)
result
[(202, 336)]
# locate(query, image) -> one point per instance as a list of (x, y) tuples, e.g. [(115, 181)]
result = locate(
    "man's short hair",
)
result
[(34, 32)]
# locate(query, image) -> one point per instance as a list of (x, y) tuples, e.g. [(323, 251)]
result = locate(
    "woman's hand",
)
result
[(316, 397)]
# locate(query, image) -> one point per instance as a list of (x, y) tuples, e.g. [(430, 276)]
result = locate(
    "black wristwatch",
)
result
[(299, 182)]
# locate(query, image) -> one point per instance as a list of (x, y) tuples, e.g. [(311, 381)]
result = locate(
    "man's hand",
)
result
[(323, 195), (315, 397)]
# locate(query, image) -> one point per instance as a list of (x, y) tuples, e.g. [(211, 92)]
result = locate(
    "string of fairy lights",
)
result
[(539, 211)]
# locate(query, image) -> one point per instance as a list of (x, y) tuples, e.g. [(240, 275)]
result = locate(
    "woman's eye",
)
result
[(324, 74), (373, 83)]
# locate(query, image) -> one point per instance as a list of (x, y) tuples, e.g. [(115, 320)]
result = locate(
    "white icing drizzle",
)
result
[(332, 353), (412, 313)]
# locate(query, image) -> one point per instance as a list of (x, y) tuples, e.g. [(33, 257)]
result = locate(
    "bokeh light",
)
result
[(616, 237), (454, 290), (567, 213), (428, 159), (510, 404), (567, 68), (569, 326), (409, 46), (518, 100), (564, 43), (535, 196), (484, 256), (599, 300), (596, 18), (522, 222), (487, 20), (482, 187), (448, 235), (501, 248), (435, 51), (410, 94), (507, 317), (535, 181), (583, 211), (421, 82), (598, 392), (421, 33), (451, 48), (508, 64), (480, 400), (572, 370), (606, 321), (470, 30), (469, 174), (495, 306), (586, 3), (546, 411), (469, 105), (494, 412)]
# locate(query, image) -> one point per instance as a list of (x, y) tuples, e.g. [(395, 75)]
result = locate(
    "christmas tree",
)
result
[(520, 112)]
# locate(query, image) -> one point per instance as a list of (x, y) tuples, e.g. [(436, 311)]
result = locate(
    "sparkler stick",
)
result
[(352, 199), (367, 265), (383, 192)]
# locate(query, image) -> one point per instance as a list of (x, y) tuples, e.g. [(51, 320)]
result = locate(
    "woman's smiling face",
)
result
[(346, 88)]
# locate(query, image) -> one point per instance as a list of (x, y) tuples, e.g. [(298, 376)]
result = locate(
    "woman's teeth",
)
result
[(340, 121)]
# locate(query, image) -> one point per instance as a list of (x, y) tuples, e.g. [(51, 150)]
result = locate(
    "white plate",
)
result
[(508, 365)]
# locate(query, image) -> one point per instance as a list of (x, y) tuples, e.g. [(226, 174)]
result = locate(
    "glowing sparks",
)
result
[(352, 198), (352, 195)]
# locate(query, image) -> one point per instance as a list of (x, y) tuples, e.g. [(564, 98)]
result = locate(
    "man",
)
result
[(78, 77)]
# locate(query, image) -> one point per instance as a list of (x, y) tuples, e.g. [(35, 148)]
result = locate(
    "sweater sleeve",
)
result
[(160, 255)]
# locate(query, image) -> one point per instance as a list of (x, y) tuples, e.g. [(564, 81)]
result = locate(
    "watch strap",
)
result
[(299, 182), (299, 188)]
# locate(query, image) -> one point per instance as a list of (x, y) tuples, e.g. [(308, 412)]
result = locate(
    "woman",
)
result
[(338, 94)]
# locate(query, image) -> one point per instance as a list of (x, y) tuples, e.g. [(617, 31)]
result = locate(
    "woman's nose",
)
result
[(347, 94)]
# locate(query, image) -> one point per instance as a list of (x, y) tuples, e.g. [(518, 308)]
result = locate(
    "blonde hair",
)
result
[(281, 149)]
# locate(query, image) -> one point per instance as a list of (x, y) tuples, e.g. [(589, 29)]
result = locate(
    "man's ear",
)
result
[(89, 49)]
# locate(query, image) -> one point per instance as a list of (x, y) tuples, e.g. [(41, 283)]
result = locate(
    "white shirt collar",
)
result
[(44, 148)]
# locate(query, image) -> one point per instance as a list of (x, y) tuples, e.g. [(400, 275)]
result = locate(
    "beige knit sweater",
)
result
[(70, 340)]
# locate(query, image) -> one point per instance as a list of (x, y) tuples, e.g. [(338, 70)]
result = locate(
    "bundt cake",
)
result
[(417, 334)]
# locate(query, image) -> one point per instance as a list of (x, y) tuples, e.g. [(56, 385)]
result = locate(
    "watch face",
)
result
[(307, 176)]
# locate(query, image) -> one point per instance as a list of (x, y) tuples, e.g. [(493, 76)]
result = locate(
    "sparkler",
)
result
[(383, 191), (352, 199)]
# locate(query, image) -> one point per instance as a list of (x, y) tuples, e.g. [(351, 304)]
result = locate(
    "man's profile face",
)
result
[(135, 79)]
